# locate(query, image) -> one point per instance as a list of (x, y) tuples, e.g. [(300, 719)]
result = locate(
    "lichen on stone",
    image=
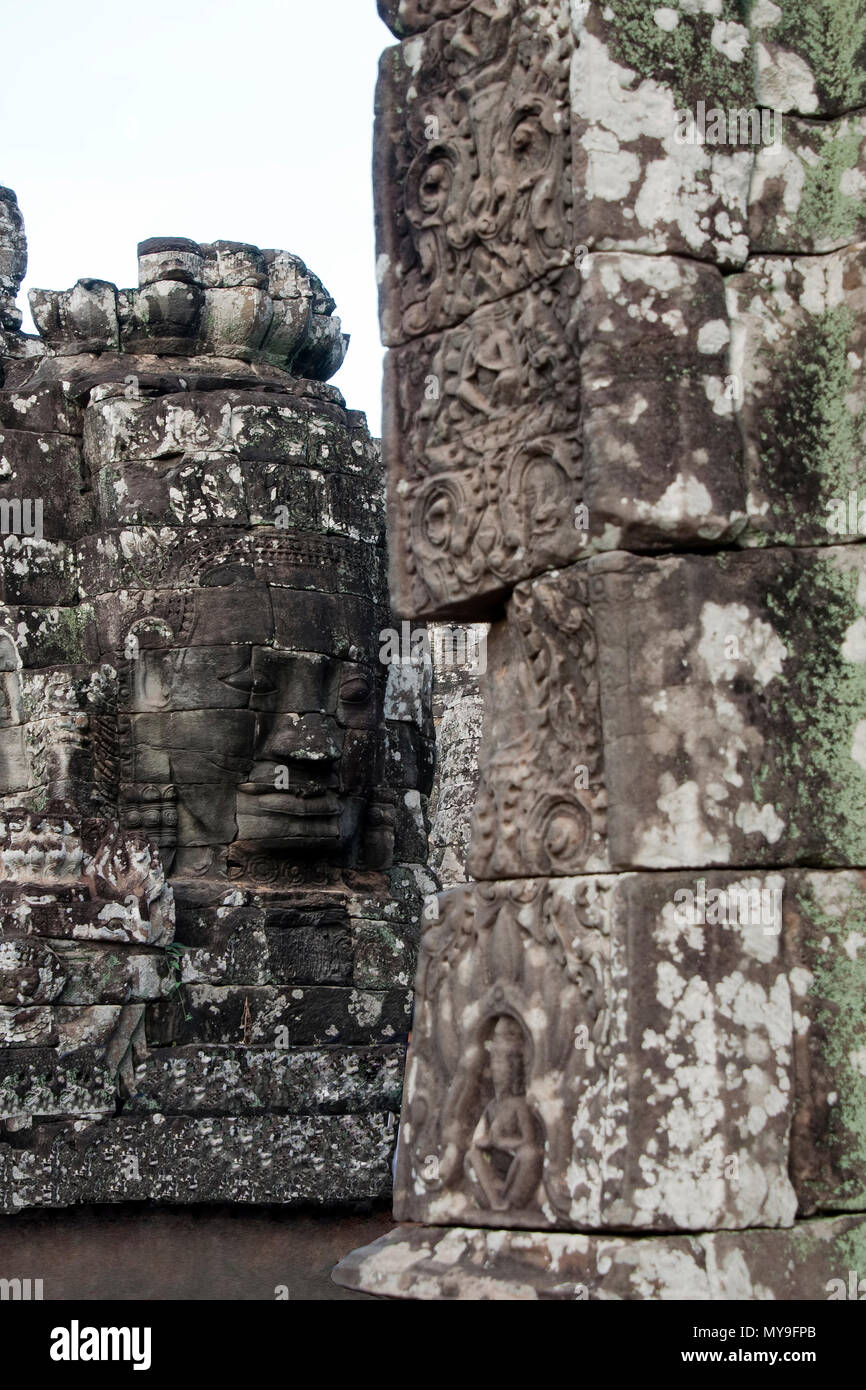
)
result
[(684, 57)]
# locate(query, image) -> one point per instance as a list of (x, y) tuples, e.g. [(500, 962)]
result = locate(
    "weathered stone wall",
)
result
[(622, 264), (213, 794)]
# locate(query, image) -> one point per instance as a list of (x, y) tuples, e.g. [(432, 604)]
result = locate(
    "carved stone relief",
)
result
[(646, 713), (483, 458), (617, 1030), (190, 658), (539, 1091), (472, 170)]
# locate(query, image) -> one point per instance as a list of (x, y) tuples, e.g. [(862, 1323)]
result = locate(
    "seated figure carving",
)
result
[(506, 1155)]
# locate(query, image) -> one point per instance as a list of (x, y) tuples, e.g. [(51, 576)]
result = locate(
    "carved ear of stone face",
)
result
[(170, 258), (13, 258), (83, 319)]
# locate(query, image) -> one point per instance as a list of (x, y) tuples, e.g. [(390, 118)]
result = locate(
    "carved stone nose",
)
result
[(300, 738)]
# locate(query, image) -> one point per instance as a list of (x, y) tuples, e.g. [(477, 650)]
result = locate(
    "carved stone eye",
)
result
[(434, 178), (245, 680), (355, 690), (527, 134)]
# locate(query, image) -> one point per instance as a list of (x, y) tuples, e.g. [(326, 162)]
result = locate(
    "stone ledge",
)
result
[(434, 1263)]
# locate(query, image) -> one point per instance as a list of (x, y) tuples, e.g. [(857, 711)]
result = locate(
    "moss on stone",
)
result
[(818, 704), (852, 1249), (812, 450), (67, 635), (830, 35), (826, 211), (683, 58), (839, 987)]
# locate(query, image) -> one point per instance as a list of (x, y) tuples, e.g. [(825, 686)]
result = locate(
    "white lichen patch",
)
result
[(659, 193)]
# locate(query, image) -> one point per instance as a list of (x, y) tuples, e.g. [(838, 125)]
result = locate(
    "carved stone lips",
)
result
[(270, 802)]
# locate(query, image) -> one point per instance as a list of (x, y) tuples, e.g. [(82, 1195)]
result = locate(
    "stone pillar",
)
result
[(622, 270), (459, 660), (190, 642)]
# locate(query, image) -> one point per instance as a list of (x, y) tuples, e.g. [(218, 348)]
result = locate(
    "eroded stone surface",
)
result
[(640, 183), (690, 717), (796, 356), (459, 662), (828, 958), (428, 1263), (192, 684), (661, 446)]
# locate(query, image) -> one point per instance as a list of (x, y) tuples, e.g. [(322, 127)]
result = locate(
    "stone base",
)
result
[(457, 1262)]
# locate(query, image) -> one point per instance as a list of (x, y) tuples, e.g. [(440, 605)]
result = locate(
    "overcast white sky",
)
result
[(249, 120)]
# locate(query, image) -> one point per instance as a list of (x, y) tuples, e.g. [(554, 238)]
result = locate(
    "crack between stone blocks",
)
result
[(439, 333)]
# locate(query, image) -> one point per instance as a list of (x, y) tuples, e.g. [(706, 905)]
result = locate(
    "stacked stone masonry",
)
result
[(213, 793), (621, 258), (459, 659)]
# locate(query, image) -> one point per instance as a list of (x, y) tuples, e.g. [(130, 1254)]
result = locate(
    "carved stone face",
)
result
[(310, 771), (548, 509), (507, 1069), (258, 742)]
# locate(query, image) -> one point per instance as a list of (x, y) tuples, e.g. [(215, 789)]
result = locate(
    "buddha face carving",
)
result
[(507, 1062), (256, 741), (313, 720), (548, 490)]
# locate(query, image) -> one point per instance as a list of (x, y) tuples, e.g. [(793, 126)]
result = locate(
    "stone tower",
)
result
[(622, 255), (212, 790)]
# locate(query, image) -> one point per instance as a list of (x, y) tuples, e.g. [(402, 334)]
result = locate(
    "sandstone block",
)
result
[(691, 737), (642, 181), (810, 1262), (798, 335), (472, 175)]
